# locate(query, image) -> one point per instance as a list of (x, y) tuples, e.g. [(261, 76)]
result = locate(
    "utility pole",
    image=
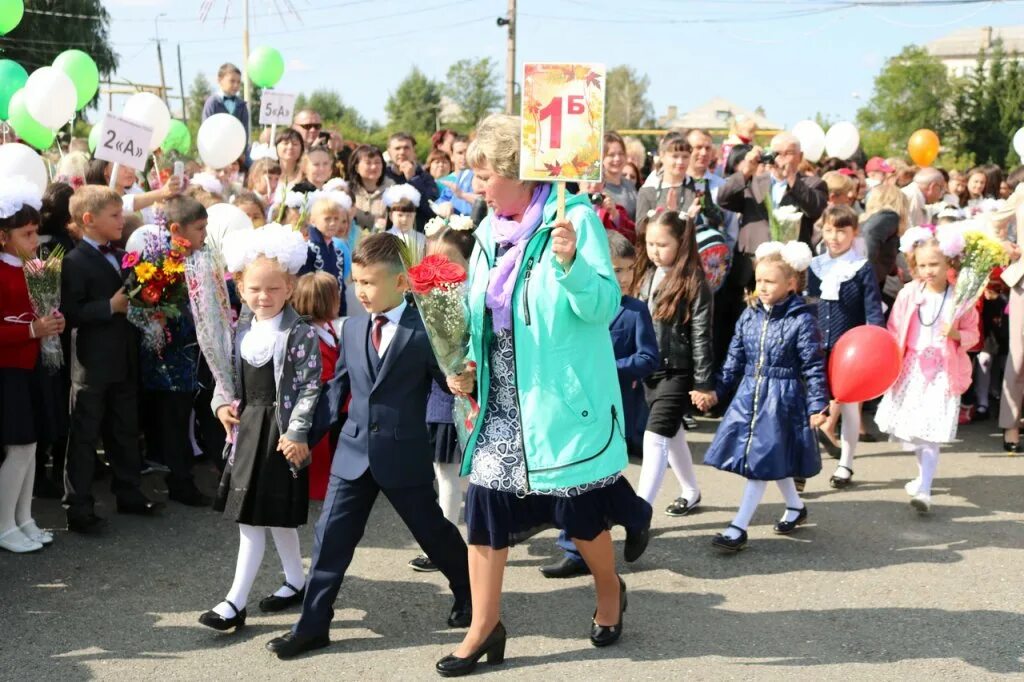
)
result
[(181, 84), (160, 57), (246, 85), (509, 20)]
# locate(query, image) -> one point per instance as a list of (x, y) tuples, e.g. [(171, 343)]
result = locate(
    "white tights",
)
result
[(849, 435), (752, 495), (927, 465), (252, 542), (660, 452), (17, 476), (449, 490)]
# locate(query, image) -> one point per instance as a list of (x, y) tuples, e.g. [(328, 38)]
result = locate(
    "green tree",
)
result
[(911, 92), (43, 34), (414, 105), (198, 92), (331, 108), (626, 102), (988, 103), (472, 85)]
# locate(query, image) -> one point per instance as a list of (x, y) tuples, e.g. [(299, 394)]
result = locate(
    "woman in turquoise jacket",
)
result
[(548, 447)]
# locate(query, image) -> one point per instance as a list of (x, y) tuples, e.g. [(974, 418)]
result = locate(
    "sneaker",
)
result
[(912, 487), (922, 503), (423, 564)]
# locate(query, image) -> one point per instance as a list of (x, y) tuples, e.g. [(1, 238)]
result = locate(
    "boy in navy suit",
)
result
[(387, 365), (636, 355)]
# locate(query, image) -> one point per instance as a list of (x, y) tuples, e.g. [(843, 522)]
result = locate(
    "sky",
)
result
[(793, 58)]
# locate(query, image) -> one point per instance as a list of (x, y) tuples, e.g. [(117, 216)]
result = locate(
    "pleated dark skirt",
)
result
[(446, 443), (496, 518), (29, 406)]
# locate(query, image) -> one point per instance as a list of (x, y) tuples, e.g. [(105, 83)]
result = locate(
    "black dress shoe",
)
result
[(461, 615), (787, 527), (423, 564), (273, 603), (86, 524), (604, 635), (212, 619), (689, 422), (566, 568), (838, 482), (636, 544), (291, 645), (493, 647), (190, 497), (142, 507), (730, 544)]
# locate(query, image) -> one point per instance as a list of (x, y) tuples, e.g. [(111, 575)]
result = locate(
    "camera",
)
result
[(768, 157)]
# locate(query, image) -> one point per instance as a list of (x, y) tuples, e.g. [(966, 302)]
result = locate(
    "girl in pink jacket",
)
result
[(921, 408)]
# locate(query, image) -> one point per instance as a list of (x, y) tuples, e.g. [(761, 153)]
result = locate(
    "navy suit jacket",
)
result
[(387, 422), (636, 356)]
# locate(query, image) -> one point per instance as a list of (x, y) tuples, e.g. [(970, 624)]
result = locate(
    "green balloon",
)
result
[(28, 129), (94, 138), (178, 138), (11, 12), (12, 79), (266, 66), (82, 71)]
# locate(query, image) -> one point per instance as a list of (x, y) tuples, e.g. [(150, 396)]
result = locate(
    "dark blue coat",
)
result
[(776, 367), (860, 303), (321, 256), (636, 356)]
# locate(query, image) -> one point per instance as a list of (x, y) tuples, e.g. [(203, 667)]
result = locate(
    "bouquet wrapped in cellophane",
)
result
[(43, 280), (211, 310), (979, 252), (783, 221), (438, 285), (155, 285)]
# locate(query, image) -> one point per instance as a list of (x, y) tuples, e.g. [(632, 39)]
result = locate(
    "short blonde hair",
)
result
[(888, 197), (838, 183), (496, 145), (91, 199)]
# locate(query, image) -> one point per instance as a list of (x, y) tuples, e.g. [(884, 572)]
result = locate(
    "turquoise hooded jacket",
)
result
[(570, 405)]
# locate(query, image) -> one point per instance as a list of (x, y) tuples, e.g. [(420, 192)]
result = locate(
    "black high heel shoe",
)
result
[(604, 635), (730, 544), (212, 619), (787, 527), (493, 647)]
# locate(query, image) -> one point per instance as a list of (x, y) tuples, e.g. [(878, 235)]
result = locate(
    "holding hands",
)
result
[(704, 400), (296, 453)]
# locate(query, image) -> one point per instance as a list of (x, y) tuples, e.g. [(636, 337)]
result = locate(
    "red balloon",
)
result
[(865, 363)]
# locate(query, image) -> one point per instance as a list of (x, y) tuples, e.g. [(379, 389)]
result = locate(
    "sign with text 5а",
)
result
[(563, 122), (276, 108), (123, 141)]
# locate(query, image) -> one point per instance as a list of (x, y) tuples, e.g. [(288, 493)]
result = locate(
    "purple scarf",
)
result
[(514, 235)]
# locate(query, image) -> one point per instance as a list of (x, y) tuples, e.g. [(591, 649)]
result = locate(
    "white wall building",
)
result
[(959, 50)]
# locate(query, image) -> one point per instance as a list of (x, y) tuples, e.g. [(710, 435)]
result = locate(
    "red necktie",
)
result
[(378, 326)]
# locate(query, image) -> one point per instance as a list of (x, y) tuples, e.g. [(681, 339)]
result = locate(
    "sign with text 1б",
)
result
[(562, 122), (276, 108), (123, 141)]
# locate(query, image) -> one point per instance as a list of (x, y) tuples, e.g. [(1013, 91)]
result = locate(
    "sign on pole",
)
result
[(123, 142), (276, 108)]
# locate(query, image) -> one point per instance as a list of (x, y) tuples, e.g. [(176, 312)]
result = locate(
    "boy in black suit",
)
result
[(104, 363), (387, 364)]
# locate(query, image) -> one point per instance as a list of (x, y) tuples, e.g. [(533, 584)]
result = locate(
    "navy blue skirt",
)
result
[(495, 518), (445, 439)]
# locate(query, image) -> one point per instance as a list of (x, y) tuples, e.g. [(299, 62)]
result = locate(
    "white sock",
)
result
[(983, 378), (20, 461), (787, 487), (286, 540), (681, 461), (929, 458), (752, 495), (652, 471), (252, 542), (449, 490), (850, 434)]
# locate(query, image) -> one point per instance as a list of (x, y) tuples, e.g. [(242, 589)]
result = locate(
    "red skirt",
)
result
[(323, 452)]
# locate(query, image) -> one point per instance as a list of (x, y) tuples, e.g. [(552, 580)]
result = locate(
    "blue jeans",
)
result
[(571, 553)]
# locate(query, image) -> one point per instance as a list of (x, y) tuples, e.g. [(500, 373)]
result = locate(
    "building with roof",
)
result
[(717, 114), (959, 50)]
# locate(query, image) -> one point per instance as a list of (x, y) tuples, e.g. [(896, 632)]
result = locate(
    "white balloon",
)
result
[(221, 140), (222, 220), (1018, 143), (842, 140), (19, 159), (137, 241), (50, 97), (149, 110), (812, 139)]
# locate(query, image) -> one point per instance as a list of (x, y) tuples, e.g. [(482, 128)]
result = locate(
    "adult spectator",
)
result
[(308, 124), (227, 101), (883, 223), (443, 140), (404, 168), (928, 187), (290, 148), (700, 174), (617, 190), (367, 183), (457, 196), (878, 172)]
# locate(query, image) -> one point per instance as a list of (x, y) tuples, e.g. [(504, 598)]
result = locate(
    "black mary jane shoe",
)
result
[(606, 635), (493, 647), (212, 619), (787, 527), (1010, 447), (565, 568), (730, 544), (274, 603), (839, 482), (682, 506)]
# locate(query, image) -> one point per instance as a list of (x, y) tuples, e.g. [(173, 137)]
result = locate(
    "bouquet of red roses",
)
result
[(155, 284), (438, 285)]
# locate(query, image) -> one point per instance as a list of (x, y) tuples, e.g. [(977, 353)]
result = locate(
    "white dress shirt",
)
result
[(387, 332), (111, 258)]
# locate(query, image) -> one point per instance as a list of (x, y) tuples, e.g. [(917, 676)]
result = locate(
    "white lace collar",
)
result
[(258, 343), (834, 271), (10, 259)]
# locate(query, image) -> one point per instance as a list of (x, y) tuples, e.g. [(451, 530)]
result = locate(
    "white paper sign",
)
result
[(276, 108), (123, 141)]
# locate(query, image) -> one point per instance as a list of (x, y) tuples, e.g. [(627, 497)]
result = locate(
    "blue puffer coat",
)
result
[(776, 360)]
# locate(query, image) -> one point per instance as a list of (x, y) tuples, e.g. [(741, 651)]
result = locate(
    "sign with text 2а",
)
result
[(123, 141), (276, 108), (563, 122)]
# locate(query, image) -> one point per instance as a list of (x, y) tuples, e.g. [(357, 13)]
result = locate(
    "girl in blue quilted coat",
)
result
[(776, 368)]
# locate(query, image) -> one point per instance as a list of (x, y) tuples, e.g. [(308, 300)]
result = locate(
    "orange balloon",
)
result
[(923, 147)]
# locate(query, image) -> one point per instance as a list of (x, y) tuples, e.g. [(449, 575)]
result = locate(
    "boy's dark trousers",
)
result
[(168, 415)]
